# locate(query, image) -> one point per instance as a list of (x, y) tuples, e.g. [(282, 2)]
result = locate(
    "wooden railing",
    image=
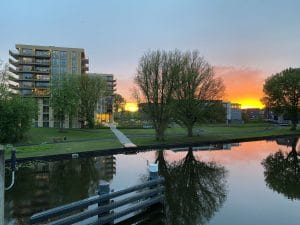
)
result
[(148, 194)]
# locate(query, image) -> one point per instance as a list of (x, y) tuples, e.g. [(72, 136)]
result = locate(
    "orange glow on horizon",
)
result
[(131, 107), (250, 103)]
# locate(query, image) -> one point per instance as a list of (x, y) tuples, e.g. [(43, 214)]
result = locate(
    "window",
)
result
[(42, 77), (27, 68), (26, 92), (42, 69), (27, 51), (27, 76), (27, 60), (42, 84), (26, 84), (46, 102), (45, 109), (42, 52), (45, 124)]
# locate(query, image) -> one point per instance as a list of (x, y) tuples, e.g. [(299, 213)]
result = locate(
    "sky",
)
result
[(246, 41)]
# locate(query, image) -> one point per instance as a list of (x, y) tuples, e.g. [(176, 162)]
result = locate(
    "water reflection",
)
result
[(195, 190), (282, 170), (43, 185)]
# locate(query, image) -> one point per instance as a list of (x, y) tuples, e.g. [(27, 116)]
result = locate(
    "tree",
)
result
[(195, 190), (91, 89), (156, 78), (64, 98), (282, 93), (16, 113), (282, 171), (4, 92), (119, 103), (197, 91)]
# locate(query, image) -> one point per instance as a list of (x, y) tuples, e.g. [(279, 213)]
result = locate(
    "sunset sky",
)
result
[(245, 41)]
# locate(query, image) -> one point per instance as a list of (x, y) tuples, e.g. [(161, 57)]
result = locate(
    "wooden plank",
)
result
[(90, 213), (45, 215)]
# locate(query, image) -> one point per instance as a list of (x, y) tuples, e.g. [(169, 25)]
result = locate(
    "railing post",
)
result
[(2, 184), (103, 188), (153, 171)]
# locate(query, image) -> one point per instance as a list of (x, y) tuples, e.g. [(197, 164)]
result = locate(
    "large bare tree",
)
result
[(156, 78), (197, 92)]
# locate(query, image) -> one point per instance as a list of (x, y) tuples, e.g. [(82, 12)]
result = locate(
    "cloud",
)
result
[(241, 83)]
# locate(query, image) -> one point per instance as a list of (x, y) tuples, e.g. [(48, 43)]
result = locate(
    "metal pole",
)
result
[(2, 184), (153, 171), (103, 189)]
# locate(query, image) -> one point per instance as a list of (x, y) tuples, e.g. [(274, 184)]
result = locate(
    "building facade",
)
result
[(233, 112), (33, 68), (104, 108)]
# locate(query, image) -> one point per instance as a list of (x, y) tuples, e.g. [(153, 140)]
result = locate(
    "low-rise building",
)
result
[(233, 112)]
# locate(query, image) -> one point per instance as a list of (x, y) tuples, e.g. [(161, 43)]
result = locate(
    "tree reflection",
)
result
[(282, 171), (195, 190)]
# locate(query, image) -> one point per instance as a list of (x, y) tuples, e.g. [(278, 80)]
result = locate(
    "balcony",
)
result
[(84, 68), (42, 54), (13, 62), (21, 71), (84, 61)]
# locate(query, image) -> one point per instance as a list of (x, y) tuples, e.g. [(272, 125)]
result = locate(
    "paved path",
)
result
[(122, 138)]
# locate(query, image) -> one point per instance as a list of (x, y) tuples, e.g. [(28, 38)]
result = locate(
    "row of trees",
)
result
[(16, 113), (76, 95), (179, 85)]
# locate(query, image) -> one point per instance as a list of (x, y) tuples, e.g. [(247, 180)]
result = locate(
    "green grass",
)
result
[(39, 141), (41, 135), (69, 147), (207, 133)]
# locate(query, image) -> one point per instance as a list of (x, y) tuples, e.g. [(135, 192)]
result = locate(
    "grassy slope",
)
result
[(39, 141)]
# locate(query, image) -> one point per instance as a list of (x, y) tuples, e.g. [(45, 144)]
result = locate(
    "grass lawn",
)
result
[(41, 135), (39, 141), (207, 133)]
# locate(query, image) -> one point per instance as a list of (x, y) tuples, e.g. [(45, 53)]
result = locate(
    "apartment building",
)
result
[(34, 66), (104, 109)]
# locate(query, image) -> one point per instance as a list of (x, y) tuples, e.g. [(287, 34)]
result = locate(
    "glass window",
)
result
[(27, 60), (42, 84), (27, 51), (42, 69), (46, 102), (26, 84), (42, 52), (26, 92), (45, 124), (27, 76), (27, 68)]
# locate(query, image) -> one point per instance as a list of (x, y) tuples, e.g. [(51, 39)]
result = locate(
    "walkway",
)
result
[(122, 138)]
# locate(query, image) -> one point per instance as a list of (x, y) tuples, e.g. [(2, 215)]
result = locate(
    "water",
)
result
[(246, 183)]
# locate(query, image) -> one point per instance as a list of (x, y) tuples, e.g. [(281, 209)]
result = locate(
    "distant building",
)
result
[(34, 66), (233, 112), (254, 113), (104, 109)]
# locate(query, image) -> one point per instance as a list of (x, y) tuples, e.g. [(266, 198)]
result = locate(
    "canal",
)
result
[(242, 183)]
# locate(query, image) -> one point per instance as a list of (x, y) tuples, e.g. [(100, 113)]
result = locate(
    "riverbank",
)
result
[(79, 141)]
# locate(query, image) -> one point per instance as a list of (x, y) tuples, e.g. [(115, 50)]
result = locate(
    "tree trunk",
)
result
[(160, 134), (294, 118), (190, 131)]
